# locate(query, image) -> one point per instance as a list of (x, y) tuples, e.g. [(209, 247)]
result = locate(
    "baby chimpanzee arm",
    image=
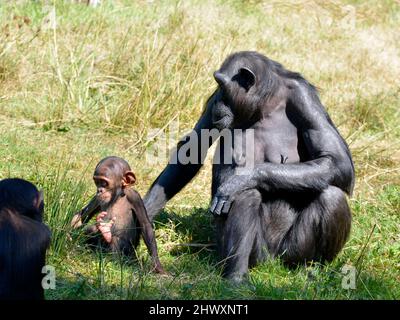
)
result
[(147, 229), (86, 213)]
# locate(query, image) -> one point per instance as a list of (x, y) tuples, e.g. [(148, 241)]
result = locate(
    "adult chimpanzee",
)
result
[(24, 240), (122, 216), (291, 201)]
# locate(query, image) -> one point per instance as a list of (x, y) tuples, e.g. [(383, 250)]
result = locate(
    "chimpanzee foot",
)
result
[(105, 227), (237, 278), (241, 280)]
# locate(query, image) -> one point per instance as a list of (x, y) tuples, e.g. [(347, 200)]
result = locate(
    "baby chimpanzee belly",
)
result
[(125, 225)]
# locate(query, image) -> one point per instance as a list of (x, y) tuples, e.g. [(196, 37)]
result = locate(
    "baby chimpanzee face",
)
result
[(105, 189), (112, 176)]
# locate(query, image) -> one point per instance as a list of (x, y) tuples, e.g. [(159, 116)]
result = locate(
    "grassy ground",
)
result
[(99, 80)]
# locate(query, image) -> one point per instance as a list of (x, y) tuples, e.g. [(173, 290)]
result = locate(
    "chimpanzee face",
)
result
[(108, 181), (222, 115), (235, 102), (111, 176), (105, 188)]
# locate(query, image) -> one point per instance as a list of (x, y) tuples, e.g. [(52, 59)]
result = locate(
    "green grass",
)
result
[(105, 77)]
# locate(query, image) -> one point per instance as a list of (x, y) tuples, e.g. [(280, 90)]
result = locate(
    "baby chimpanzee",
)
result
[(122, 216)]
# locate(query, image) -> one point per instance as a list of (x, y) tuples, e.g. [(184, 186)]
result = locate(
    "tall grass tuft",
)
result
[(64, 196)]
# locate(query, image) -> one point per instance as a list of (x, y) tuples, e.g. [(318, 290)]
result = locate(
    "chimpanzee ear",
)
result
[(246, 78), (39, 200), (129, 179)]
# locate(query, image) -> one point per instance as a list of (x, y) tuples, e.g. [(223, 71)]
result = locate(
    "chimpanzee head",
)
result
[(245, 81), (21, 196), (111, 176)]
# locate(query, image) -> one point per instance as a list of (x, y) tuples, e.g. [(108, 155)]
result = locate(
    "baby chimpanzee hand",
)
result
[(105, 227)]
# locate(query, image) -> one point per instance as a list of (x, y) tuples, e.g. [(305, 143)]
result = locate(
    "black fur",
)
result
[(24, 240)]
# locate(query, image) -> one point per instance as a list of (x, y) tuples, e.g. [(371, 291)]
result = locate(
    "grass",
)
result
[(105, 77)]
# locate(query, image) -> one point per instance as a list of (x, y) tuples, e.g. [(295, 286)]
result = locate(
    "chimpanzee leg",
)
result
[(92, 235), (125, 241), (121, 245), (277, 217), (319, 231), (254, 229), (238, 233)]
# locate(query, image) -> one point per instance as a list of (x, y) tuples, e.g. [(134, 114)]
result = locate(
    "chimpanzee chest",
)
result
[(276, 140), (273, 139), (122, 211)]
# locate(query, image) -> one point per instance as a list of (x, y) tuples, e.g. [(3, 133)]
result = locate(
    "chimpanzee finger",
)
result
[(100, 216), (227, 206), (76, 221), (219, 207), (213, 205)]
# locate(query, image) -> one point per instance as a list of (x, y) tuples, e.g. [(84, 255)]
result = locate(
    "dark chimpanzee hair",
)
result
[(115, 164), (270, 71), (24, 240), (19, 195)]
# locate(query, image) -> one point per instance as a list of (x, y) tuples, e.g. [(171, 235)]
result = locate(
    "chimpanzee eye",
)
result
[(101, 183), (223, 96)]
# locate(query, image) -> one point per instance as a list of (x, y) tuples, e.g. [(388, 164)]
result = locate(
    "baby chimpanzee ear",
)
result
[(245, 78), (129, 179)]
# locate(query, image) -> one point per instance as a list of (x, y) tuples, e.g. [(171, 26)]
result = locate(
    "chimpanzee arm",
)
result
[(83, 216), (330, 163), (176, 174), (147, 229)]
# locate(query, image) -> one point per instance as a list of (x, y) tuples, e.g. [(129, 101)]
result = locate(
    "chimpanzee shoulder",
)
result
[(132, 195)]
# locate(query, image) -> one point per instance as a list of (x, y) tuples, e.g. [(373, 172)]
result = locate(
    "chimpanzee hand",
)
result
[(227, 192), (76, 221), (105, 226)]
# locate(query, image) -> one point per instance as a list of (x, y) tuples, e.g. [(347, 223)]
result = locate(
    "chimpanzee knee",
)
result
[(319, 231), (336, 222)]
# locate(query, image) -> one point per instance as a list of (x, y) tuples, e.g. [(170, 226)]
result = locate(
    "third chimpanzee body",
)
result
[(290, 201), (24, 239)]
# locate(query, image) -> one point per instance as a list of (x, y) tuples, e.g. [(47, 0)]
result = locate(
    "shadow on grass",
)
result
[(84, 288), (195, 276), (196, 225)]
